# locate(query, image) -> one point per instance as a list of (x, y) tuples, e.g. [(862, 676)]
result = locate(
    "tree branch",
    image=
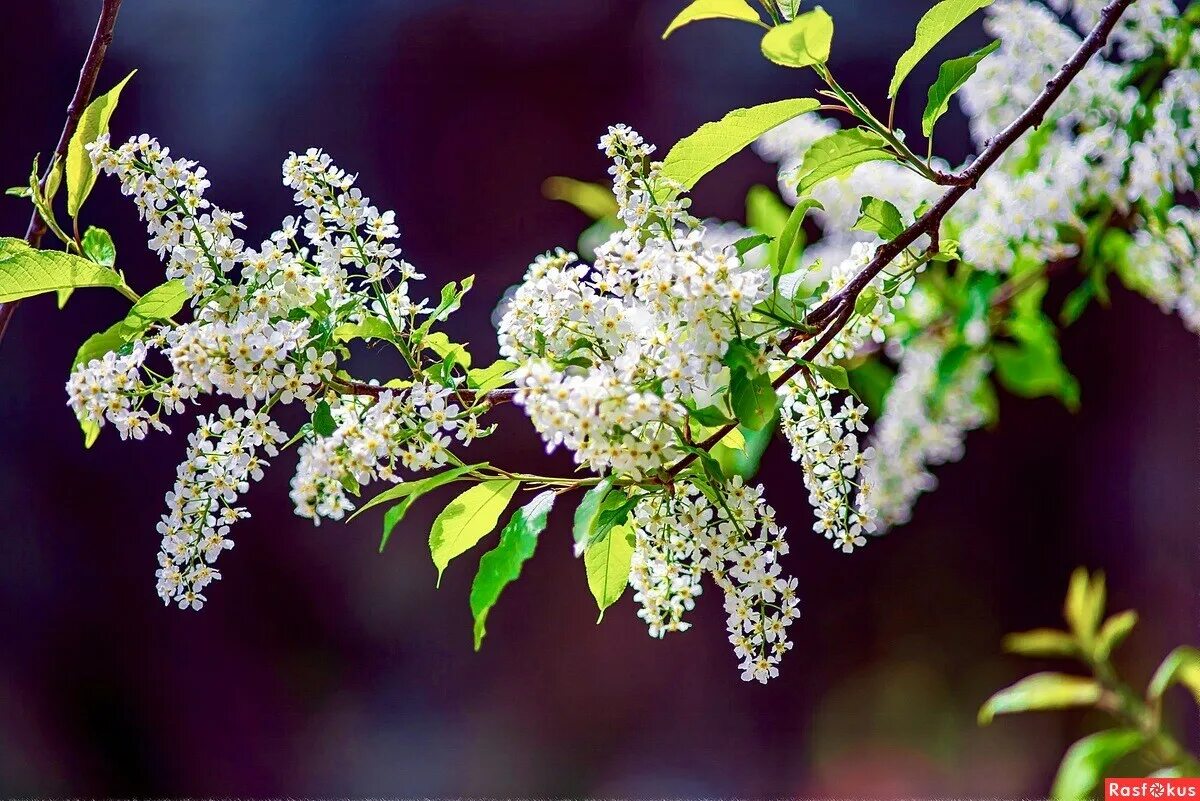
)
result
[(833, 314), (88, 74)]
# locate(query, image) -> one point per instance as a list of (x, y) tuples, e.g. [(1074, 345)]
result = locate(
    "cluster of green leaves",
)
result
[(1138, 741)]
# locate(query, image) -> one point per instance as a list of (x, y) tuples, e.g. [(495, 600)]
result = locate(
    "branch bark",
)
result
[(88, 73)]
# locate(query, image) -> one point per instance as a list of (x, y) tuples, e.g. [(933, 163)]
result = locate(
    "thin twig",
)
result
[(88, 74)]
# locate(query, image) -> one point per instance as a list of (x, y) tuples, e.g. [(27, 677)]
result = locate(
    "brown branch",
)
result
[(88, 74), (833, 314)]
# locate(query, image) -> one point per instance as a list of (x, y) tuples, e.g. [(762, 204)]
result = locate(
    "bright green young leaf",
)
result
[(735, 440), (94, 122), (696, 155), (408, 489), (803, 42), (834, 375), (937, 22), (588, 511), (1041, 642), (879, 217), (25, 272), (98, 246), (838, 154), (709, 416), (440, 344), (161, 303), (752, 398), (1089, 760), (1041, 691), (468, 519), (393, 516), (607, 564), (1033, 367), (1182, 666), (501, 566), (323, 423), (765, 211), (100, 343), (951, 77), (713, 9), (595, 200), (369, 328), (749, 243), (485, 379), (786, 246)]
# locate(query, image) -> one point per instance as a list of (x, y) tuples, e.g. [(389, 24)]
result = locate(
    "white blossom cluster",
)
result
[(681, 536), (260, 333), (408, 428), (610, 351), (923, 424), (222, 459), (1164, 265)]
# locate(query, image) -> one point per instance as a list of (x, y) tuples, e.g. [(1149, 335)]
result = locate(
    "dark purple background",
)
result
[(322, 667)]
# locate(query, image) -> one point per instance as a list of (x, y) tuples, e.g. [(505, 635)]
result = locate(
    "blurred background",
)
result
[(321, 667)]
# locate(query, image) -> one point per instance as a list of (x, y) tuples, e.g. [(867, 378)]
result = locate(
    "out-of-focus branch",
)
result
[(88, 74)]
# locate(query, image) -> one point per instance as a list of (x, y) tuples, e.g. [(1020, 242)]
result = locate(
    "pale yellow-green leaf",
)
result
[(803, 42), (931, 28), (161, 303), (595, 200), (1041, 691), (1041, 642), (25, 272), (467, 520), (734, 440), (714, 142), (92, 124), (607, 564), (713, 9), (1182, 666), (369, 328), (1114, 631), (485, 379)]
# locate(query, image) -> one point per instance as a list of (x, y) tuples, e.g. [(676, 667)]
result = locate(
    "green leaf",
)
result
[(161, 303), (1076, 303), (838, 154), (879, 217), (749, 243), (1041, 691), (709, 416), (19, 191), (100, 343), (1114, 631), (870, 381), (1041, 642), (501, 566), (495, 375), (94, 122), (752, 398), (607, 564), (595, 200), (409, 489), (1182, 666), (98, 246), (1033, 367), (369, 328), (744, 461), (322, 420), (932, 27), (455, 353), (835, 375), (765, 211), (951, 77), (713, 9), (1079, 609), (790, 235), (467, 520), (587, 513), (803, 42), (696, 155), (25, 272), (1088, 761), (614, 511)]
